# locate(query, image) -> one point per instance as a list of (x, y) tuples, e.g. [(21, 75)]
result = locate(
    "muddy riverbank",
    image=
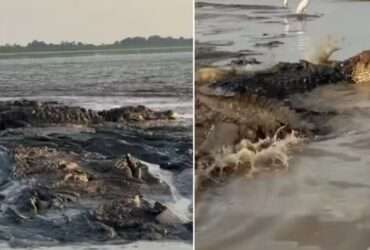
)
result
[(71, 175)]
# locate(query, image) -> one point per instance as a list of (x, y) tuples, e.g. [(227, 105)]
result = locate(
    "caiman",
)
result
[(254, 105), (26, 113), (285, 79)]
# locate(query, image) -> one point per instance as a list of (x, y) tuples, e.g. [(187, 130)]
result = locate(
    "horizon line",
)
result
[(146, 37)]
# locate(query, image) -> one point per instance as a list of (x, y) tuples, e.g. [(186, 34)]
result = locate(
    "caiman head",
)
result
[(357, 68)]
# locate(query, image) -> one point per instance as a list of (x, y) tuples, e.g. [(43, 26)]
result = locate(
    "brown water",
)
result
[(322, 202), (236, 29)]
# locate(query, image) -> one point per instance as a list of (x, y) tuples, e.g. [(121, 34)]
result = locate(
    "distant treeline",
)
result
[(128, 43)]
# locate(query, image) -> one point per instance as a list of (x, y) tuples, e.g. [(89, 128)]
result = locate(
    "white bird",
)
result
[(285, 4), (302, 6)]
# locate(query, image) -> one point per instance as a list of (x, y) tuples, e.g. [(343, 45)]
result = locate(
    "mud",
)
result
[(70, 175)]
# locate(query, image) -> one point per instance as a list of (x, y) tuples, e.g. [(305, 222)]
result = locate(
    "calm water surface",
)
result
[(158, 80), (239, 29)]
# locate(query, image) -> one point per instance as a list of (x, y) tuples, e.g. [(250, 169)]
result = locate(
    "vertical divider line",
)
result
[(194, 177)]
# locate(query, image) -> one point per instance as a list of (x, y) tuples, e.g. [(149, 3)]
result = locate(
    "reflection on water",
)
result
[(248, 26)]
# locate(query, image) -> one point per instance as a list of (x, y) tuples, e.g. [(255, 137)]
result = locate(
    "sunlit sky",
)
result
[(94, 21)]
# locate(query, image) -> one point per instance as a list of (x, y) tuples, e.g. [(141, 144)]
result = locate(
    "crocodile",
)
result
[(358, 67), (259, 100), (285, 79), (26, 113), (255, 106)]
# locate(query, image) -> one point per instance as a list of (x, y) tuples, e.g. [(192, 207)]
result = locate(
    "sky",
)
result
[(93, 21)]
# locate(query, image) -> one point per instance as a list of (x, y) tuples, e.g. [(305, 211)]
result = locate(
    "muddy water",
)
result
[(320, 202), (234, 28)]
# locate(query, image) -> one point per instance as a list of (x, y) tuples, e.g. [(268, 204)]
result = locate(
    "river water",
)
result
[(322, 201), (101, 81), (236, 29)]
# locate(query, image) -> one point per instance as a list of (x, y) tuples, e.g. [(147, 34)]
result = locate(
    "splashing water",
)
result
[(322, 52), (248, 158)]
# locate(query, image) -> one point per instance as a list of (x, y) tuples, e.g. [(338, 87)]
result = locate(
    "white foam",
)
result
[(179, 204)]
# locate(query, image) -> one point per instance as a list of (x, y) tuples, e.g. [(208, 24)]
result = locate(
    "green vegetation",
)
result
[(128, 43)]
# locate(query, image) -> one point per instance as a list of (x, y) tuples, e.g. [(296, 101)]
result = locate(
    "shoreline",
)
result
[(90, 52)]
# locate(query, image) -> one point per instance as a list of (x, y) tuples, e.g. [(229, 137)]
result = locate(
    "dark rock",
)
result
[(6, 165), (15, 215), (133, 221), (271, 44), (62, 173), (159, 207), (241, 61), (40, 198)]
